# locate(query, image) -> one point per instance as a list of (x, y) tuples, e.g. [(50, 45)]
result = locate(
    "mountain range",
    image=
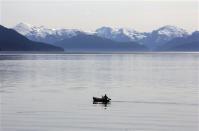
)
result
[(155, 40), (86, 42), (166, 38), (10, 40), (189, 43)]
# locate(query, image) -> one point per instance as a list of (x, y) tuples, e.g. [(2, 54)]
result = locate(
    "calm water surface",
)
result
[(53, 92)]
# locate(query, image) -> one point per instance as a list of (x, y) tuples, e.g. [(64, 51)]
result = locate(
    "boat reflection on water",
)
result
[(104, 104)]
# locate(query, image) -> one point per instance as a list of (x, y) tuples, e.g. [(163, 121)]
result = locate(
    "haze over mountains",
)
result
[(166, 38)]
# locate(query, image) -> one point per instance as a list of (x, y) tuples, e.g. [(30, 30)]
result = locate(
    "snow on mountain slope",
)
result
[(169, 32), (189, 43), (152, 39), (162, 35), (43, 34), (23, 28), (120, 34)]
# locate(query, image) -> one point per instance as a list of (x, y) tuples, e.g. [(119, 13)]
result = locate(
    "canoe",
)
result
[(96, 99)]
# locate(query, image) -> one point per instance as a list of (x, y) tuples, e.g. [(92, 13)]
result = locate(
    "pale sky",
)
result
[(141, 15)]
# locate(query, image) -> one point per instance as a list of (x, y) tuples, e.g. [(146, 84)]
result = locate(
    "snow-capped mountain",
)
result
[(23, 28), (152, 40), (163, 35), (189, 43), (11, 40), (44, 34), (120, 34)]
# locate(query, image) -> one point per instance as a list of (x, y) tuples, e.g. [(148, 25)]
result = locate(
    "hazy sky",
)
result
[(142, 15)]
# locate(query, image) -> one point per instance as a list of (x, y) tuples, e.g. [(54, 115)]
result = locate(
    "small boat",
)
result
[(102, 100)]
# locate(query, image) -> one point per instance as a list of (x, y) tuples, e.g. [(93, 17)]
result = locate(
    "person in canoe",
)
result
[(105, 97)]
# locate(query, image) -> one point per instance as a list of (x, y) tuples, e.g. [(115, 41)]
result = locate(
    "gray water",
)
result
[(53, 92)]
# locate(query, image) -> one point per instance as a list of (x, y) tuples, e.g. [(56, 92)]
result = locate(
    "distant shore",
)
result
[(91, 52)]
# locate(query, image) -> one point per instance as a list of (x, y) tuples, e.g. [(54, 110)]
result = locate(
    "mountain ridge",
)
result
[(189, 43), (84, 42), (10, 40), (116, 34), (153, 40)]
